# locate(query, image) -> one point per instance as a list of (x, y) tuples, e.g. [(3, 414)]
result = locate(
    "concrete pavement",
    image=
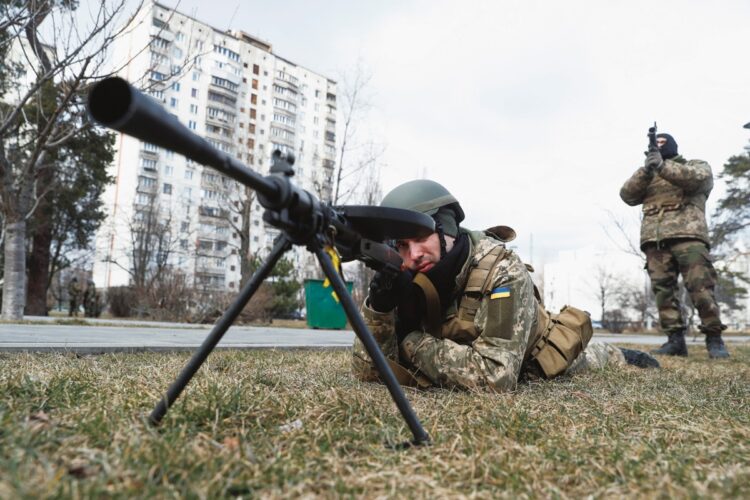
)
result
[(102, 336)]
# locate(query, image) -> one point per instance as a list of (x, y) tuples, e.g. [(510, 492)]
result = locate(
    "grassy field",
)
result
[(295, 423)]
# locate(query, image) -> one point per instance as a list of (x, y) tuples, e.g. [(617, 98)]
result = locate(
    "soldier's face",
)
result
[(421, 254), (660, 141)]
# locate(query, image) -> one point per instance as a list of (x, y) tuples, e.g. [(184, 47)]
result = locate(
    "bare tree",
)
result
[(617, 232), (605, 285), (52, 51), (152, 244), (638, 300), (357, 153)]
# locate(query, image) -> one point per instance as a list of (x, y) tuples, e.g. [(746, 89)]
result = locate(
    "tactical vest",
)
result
[(556, 341)]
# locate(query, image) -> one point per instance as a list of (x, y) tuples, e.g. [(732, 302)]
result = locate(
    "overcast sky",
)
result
[(533, 113)]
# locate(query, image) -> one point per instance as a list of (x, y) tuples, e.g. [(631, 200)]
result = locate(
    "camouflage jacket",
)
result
[(674, 200), (504, 324)]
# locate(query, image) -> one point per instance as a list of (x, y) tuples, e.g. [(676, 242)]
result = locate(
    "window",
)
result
[(253, 99), (252, 113), (155, 75), (150, 147), (199, 44), (184, 226), (183, 244), (192, 125), (187, 192), (148, 164), (255, 83), (193, 92), (168, 170), (194, 109), (234, 56), (142, 199), (188, 174), (224, 83), (173, 102), (196, 76), (144, 181), (167, 188), (176, 86), (180, 36), (256, 69)]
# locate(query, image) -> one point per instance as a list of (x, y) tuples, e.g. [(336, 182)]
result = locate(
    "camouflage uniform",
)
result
[(74, 296), (674, 237), (491, 352)]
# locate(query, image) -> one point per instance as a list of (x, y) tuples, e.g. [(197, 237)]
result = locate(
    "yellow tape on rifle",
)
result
[(336, 260)]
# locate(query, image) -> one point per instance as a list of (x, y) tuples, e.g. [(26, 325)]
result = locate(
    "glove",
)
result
[(386, 291), (653, 162)]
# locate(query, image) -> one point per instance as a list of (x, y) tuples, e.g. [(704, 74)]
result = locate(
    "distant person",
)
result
[(90, 300), (74, 296), (464, 312), (674, 237)]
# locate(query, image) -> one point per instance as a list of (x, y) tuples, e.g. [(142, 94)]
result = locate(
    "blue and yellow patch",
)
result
[(500, 292)]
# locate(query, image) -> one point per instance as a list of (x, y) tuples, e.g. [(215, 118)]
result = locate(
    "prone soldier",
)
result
[(464, 312), (674, 237)]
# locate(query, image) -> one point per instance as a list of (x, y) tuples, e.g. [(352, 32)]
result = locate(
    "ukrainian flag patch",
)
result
[(500, 293)]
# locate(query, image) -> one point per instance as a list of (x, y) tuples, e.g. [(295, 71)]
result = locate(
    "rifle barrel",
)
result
[(116, 104)]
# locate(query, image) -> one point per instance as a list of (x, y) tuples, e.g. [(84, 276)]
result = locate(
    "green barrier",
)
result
[(323, 311)]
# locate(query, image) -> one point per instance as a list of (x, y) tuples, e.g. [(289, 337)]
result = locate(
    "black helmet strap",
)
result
[(441, 235)]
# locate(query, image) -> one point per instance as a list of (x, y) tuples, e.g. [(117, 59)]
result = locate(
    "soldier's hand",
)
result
[(387, 291), (653, 162)]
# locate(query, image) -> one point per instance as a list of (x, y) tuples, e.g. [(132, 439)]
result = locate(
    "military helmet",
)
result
[(427, 197)]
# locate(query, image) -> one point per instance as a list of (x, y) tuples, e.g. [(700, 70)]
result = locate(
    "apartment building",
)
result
[(231, 89)]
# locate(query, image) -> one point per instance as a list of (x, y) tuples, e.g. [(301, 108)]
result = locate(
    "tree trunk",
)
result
[(36, 299), (245, 235), (14, 289)]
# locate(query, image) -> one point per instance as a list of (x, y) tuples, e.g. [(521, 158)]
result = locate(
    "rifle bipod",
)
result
[(283, 244)]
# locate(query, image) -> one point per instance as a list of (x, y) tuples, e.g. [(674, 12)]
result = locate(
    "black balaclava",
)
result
[(445, 223), (669, 149)]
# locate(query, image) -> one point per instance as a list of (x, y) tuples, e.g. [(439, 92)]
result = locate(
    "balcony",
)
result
[(164, 33), (148, 189)]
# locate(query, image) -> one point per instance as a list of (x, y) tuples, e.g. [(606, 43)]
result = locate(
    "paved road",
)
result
[(114, 337)]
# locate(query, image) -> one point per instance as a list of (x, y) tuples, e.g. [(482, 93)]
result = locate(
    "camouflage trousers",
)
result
[(690, 259), (596, 356)]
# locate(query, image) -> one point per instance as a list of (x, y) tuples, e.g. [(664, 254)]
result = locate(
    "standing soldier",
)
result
[(674, 237), (89, 300), (74, 295)]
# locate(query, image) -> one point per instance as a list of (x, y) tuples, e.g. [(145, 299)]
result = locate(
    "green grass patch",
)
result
[(296, 423)]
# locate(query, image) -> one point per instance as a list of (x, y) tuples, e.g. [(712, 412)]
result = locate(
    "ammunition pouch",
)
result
[(565, 336)]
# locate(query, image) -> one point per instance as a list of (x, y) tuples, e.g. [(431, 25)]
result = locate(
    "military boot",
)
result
[(639, 358), (715, 346), (675, 346)]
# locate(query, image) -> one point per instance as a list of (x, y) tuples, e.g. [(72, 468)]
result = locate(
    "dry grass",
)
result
[(295, 423)]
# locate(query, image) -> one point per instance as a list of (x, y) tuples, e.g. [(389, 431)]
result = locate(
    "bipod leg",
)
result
[(222, 325), (386, 374)]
